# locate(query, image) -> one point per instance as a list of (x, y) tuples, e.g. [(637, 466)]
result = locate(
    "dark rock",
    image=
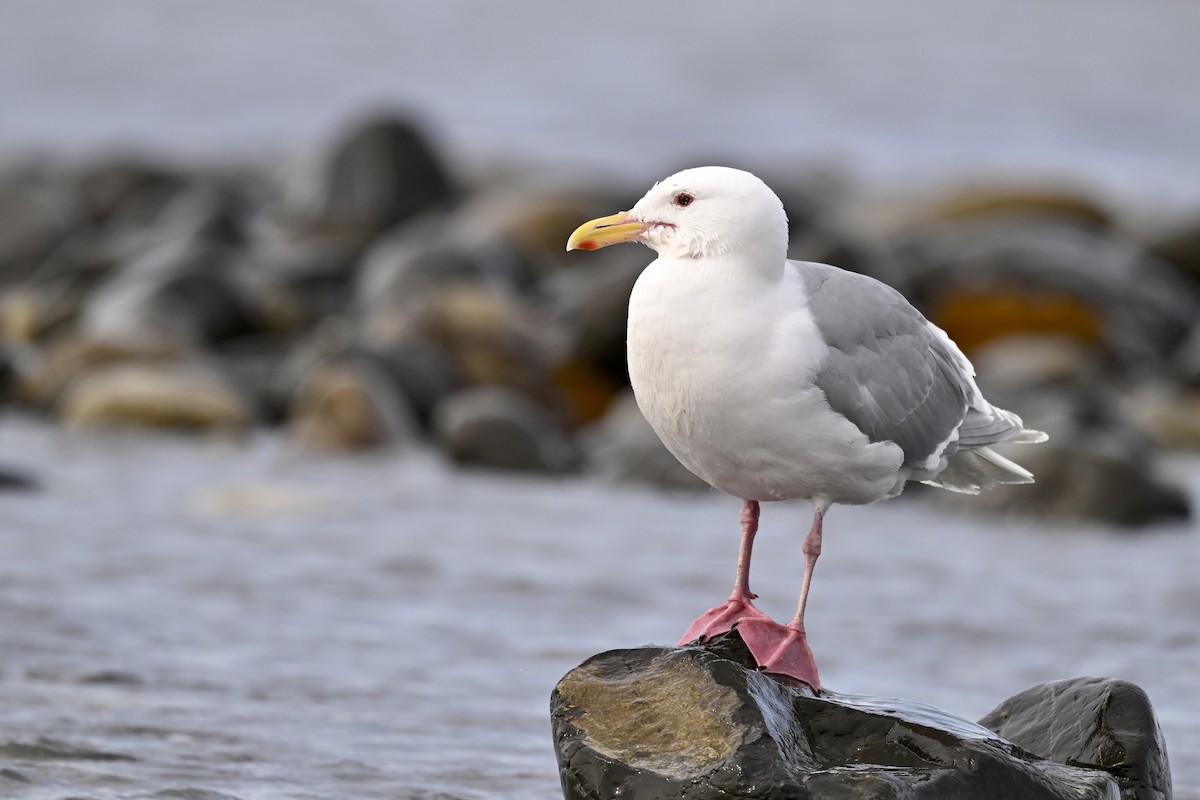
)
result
[(297, 280), (34, 219), (127, 191), (11, 481), (496, 427), (47, 749), (1180, 245), (700, 722), (1098, 723), (178, 292), (423, 372), (379, 173)]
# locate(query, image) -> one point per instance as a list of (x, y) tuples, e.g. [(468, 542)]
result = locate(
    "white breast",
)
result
[(721, 364)]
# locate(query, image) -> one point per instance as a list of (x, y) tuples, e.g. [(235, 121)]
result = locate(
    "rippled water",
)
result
[(181, 618)]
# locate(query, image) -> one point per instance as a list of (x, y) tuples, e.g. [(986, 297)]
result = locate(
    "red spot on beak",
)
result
[(586, 244)]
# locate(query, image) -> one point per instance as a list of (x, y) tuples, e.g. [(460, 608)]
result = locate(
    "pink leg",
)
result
[(738, 607), (784, 649)]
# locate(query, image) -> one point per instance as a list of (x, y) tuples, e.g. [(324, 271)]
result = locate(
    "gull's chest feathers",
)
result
[(690, 344), (704, 348)]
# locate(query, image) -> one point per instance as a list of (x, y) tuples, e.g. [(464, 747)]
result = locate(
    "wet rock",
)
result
[(379, 173), (1097, 723), (186, 395), (701, 722), (349, 405), (623, 448), (492, 426)]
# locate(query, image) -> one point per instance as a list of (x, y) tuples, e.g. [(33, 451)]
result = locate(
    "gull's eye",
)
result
[(683, 199)]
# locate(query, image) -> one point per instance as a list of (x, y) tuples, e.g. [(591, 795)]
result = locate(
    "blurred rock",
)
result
[(1095, 477), (1022, 203), (590, 303), (490, 337), (1168, 416), (521, 225), (981, 279), (1099, 464), (423, 372), (127, 191), (1096, 723), (1180, 246), (1013, 365), (35, 218), (348, 405), (702, 722), (168, 394), (496, 427), (414, 261), (623, 448), (45, 376), (204, 210), (291, 282), (378, 173), (176, 293), (13, 481)]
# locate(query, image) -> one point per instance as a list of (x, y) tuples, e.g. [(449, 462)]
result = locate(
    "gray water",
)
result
[(1098, 92), (256, 621)]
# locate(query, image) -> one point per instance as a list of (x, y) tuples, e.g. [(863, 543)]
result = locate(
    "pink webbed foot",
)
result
[(722, 618), (781, 649)]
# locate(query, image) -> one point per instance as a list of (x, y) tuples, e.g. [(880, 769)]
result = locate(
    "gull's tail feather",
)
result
[(971, 471)]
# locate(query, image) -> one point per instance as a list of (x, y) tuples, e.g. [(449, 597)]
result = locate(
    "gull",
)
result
[(774, 379)]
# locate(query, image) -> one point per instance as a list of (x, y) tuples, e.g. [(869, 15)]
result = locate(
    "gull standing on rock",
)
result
[(775, 380)]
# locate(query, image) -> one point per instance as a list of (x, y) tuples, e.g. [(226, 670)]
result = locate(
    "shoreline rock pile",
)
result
[(371, 297), (701, 722)]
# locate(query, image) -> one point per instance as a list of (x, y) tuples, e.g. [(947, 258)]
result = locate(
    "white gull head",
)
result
[(699, 213)]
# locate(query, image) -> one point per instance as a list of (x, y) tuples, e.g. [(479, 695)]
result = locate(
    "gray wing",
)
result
[(886, 370)]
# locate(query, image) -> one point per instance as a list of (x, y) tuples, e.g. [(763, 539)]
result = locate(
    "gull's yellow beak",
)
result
[(605, 231)]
